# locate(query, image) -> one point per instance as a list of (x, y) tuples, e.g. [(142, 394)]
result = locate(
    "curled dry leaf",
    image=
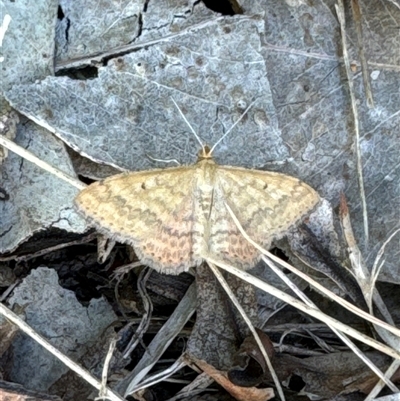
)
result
[(250, 366)]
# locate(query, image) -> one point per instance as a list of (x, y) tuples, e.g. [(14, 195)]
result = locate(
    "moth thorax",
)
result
[(205, 153)]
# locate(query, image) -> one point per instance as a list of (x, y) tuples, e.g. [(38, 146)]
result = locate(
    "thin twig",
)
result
[(340, 12)]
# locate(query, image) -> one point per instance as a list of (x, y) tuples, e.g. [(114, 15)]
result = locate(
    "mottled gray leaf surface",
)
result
[(309, 86), (213, 73), (34, 199), (57, 315), (88, 31), (28, 44), (89, 27)]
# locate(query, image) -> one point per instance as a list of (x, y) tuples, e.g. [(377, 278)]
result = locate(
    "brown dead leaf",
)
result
[(240, 393)]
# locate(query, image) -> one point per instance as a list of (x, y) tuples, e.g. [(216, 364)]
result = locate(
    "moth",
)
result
[(174, 216)]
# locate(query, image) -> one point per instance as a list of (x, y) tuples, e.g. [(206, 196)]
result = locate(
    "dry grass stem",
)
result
[(359, 268), (160, 342), (158, 377), (88, 238), (342, 336), (4, 26), (306, 309), (148, 311), (367, 283), (87, 376), (356, 9), (10, 145), (315, 284), (394, 3), (202, 381), (380, 385), (104, 374), (377, 266), (340, 12)]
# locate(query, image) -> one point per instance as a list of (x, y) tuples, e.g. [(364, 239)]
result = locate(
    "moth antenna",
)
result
[(188, 124), (233, 126)]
